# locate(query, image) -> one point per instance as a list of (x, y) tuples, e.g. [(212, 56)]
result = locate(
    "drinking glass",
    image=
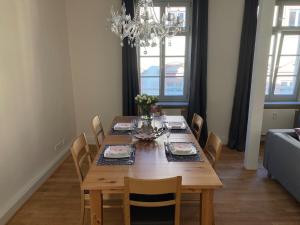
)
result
[(168, 134), (134, 130), (135, 123), (163, 119)]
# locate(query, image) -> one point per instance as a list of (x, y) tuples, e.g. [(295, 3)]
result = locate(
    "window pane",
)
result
[(150, 85), (174, 86), (291, 15), (275, 16), (288, 65), (267, 85), (175, 46), (271, 50), (149, 66), (269, 65), (151, 51), (290, 45), (174, 66), (285, 85), (177, 11)]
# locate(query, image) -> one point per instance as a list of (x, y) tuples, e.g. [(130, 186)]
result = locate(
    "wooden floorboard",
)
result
[(248, 198)]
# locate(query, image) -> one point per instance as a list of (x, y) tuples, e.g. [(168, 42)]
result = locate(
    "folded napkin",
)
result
[(183, 148), (123, 126), (117, 151), (176, 125), (181, 158)]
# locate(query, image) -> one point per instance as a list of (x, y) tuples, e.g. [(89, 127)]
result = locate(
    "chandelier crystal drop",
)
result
[(145, 29)]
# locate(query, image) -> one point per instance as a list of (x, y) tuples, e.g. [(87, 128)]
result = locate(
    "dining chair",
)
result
[(83, 160), (213, 149), (196, 126), (98, 131), (152, 202)]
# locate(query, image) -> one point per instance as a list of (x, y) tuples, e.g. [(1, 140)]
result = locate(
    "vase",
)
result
[(145, 112)]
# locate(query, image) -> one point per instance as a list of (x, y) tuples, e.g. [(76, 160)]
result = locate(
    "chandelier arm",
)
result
[(153, 12), (144, 27)]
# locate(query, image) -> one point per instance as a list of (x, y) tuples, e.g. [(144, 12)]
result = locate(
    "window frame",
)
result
[(187, 33), (280, 31)]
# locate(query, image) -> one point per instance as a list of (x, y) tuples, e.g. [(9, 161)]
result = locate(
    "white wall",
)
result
[(278, 119), (36, 102), (258, 84), (224, 32), (96, 62)]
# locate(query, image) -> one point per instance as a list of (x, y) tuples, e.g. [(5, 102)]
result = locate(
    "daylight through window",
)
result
[(164, 69), (283, 64)]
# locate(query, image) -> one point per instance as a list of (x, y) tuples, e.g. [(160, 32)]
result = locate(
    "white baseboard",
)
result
[(224, 139), (7, 211)]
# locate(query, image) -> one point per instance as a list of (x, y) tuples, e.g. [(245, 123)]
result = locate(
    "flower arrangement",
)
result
[(145, 102)]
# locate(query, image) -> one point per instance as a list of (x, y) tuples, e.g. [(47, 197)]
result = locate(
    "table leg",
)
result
[(207, 207), (96, 208)]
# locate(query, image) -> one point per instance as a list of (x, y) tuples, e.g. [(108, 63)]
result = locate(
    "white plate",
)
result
[(180, 145), (176, 125), (112, 151), (123, 126), (143, 136)]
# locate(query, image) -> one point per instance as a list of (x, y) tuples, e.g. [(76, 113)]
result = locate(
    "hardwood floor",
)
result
[(248, 198)]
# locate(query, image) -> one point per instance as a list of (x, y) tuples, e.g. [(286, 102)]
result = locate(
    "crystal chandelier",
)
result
[(145, 29)]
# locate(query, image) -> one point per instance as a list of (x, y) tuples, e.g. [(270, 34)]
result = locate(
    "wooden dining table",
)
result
[(151, 163)]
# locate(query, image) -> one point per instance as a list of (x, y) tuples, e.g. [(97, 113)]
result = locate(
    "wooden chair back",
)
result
[(196, 126), (98, 131), (152, 187), (82, 156), (213, 148)]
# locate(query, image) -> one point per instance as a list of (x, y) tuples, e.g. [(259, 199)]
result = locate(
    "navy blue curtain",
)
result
[(239, 118), (198, 82), (130, 85)]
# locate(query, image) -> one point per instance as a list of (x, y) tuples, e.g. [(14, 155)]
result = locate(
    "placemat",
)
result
[(181, 158), (181, 131), (122, 161), (120, 132)]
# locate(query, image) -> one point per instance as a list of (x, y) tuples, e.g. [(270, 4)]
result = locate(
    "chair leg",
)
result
[(214, 223), (200, 207), (82, 209)]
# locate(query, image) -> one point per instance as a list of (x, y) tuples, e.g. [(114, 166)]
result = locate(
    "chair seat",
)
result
[(152, 216)]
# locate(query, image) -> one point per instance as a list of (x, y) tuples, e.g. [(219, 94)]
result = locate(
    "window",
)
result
[(164, 69), (283, 64)]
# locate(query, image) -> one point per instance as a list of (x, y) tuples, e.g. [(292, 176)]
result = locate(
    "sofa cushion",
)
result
[(297, 132), (294, 135), (281, 159)]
